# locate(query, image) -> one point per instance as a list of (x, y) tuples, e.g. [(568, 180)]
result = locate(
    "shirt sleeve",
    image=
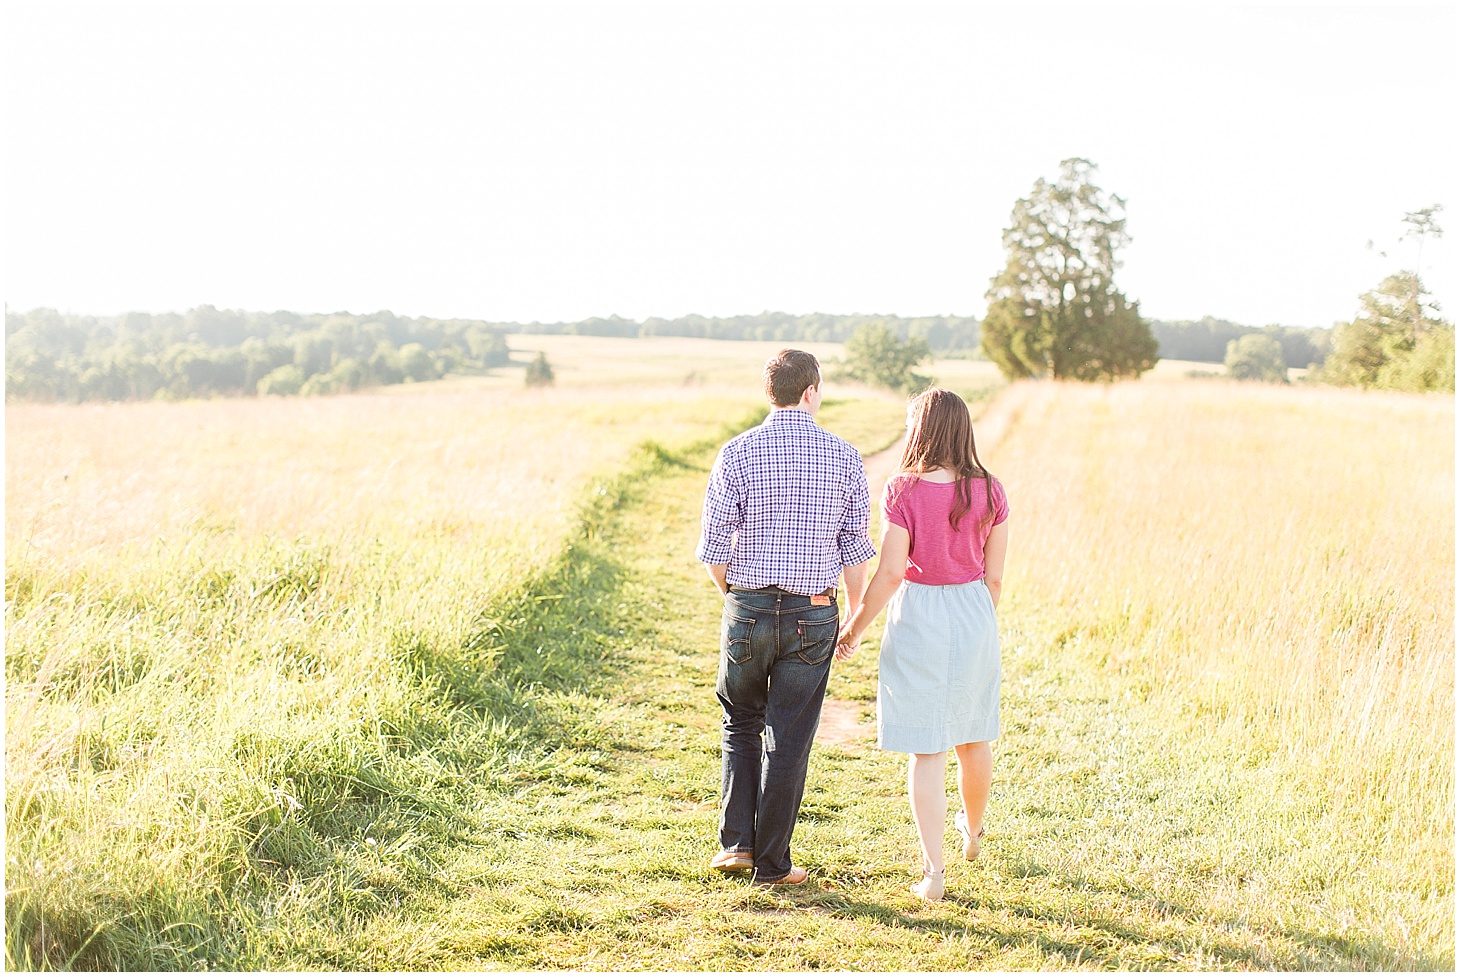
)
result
[(723, 513), (852, 541), (1001, 502), (892, 510)]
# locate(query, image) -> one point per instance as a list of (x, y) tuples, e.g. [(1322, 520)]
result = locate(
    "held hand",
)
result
[(846, 642)]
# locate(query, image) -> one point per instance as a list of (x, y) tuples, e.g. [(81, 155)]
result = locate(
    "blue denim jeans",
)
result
[(775, 657)]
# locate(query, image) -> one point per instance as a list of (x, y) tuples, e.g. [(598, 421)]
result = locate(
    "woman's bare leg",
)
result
[(925, 788), (975, 774)]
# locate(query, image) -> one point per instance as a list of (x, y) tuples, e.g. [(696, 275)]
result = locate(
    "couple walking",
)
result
[(786, 514)]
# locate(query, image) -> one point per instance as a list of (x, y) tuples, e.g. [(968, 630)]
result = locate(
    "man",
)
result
[(785, 515)]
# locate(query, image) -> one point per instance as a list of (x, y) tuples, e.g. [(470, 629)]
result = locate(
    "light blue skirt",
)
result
[(938, 673)]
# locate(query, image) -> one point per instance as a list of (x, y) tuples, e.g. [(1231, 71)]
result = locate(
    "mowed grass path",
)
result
[(560, 810), (1123, 835)]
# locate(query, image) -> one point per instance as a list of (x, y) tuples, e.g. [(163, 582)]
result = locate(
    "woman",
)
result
[(944, 535)]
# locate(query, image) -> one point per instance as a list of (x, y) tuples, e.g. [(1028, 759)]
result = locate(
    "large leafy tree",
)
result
[(1054, 310)]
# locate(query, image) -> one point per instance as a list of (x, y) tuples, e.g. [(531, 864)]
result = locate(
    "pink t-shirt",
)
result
[(938, 554)]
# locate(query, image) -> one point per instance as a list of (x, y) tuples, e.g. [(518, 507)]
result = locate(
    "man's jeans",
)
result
[(775, 657)]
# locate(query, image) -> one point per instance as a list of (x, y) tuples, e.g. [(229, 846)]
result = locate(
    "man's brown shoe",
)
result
[(733, 862), (794, 877)]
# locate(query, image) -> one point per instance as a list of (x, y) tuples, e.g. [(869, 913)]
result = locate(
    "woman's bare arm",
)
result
[(891, 565), (993, 560)]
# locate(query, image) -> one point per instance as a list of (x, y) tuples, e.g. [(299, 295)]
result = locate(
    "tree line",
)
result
[(219, 352), (1398, 341), (215, 352), (940, 333), (1054, 311), (1206, 340)]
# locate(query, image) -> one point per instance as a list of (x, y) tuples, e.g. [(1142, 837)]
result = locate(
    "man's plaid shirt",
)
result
[(786, 506)]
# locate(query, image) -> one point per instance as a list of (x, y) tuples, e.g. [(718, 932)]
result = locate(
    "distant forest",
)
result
[(211, 352), (1205, 340), (941, 333)]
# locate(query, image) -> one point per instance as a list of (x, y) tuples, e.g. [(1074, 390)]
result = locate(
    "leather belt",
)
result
[(828, 592)]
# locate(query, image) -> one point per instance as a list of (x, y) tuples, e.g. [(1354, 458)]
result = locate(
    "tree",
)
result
[(1054, 310), (876, 356), (417, 363), (1430, 367), (384, 364), (286, 380), (487, 346), (1394, 320), (539, 373), (1422, 224), (1256, 357)]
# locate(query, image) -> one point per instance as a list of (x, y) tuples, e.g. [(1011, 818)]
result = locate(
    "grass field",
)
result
[(1256, 586), (422, 680)]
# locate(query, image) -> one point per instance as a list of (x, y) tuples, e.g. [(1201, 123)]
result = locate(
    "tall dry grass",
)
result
[(319, 684), (226, 620), (1275, 564)]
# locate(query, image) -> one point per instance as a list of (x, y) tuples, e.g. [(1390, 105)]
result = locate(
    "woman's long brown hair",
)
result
[(940, 435)]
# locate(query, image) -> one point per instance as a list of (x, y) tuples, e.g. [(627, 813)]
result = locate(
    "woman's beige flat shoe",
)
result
[(929, 887), (971, 842)]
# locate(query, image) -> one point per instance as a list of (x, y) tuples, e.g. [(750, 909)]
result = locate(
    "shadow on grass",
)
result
[(1112, 943)]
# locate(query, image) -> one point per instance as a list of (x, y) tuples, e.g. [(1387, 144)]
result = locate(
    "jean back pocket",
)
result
[(818, 640), (735, 637)]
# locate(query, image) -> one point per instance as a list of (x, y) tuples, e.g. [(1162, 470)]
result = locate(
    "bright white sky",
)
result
[(554, 161)]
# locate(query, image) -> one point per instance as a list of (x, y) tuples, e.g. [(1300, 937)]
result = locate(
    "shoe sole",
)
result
[(733, 868)]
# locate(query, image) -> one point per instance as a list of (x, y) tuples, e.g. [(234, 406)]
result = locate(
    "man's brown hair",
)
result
[(788, 374)]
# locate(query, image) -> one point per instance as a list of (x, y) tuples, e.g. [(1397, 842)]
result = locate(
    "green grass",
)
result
[(538, 790)]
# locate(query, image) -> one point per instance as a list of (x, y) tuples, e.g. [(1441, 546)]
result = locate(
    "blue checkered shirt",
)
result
[(786, 506)]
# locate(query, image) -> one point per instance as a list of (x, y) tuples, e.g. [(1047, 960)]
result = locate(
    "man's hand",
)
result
[(717, 574), (855, 577), (847, 642)]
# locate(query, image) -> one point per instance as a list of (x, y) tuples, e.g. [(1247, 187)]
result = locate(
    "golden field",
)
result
[(1285, 558), (1271, 571), (419, 678)]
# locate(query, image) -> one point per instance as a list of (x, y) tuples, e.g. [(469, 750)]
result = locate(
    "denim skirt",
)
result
[(938, 672)]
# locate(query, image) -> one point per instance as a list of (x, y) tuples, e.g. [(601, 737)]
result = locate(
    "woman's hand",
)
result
[(884, 583)]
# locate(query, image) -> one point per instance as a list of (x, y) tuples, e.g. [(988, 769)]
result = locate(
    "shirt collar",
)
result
[(779, 415)]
